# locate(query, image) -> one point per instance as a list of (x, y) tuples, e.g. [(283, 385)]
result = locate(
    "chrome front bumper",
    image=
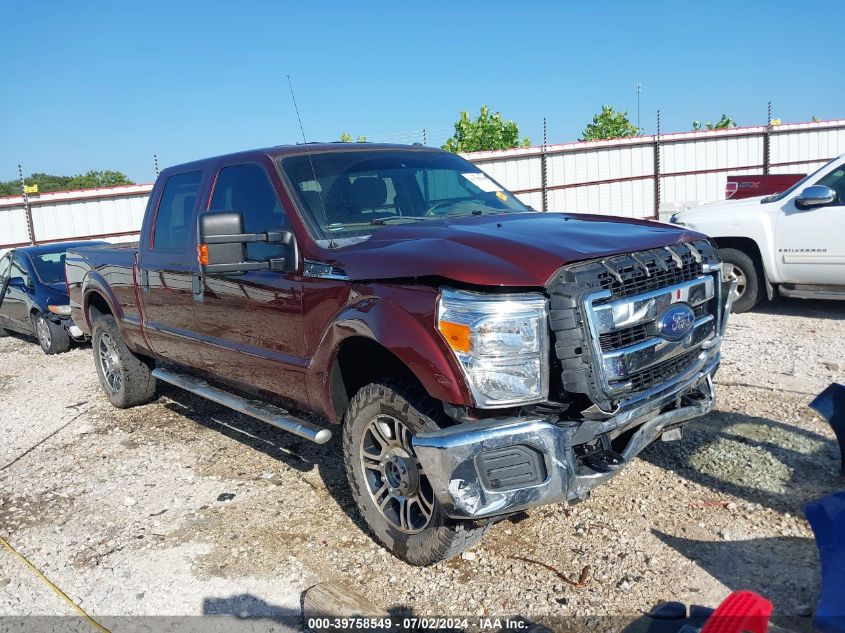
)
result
[(535, 457)]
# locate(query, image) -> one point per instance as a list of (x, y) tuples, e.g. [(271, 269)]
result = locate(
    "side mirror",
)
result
[(815, 196), (17, 282), (221, 245)]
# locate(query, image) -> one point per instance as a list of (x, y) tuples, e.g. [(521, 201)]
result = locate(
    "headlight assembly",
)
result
[(501, 343)]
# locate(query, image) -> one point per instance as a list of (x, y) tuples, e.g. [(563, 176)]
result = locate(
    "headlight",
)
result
[(501, 344), (60, 310)]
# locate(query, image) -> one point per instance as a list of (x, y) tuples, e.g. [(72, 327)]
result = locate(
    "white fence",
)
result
[(637, 177)]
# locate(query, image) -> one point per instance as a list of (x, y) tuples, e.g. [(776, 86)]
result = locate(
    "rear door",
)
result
[(811, 242), (251, 323), (167, 269)]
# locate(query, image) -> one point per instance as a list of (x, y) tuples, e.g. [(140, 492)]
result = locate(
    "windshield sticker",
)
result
[(482, 182)]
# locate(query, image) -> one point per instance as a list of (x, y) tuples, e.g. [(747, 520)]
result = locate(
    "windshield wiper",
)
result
[(400, 218)]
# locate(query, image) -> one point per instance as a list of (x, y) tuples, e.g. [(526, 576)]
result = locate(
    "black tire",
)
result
[(52, 337), (126, 379), (432, 538), (736, 264)]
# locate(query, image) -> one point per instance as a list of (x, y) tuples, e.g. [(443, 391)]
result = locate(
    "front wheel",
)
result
[(126, 379), (52, 337), (739, 267), (388, 483)]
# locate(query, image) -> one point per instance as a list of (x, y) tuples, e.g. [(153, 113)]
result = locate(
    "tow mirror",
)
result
[(815, 196), (221, 247)]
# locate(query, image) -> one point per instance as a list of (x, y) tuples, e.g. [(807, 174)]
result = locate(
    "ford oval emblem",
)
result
[(676, 322)]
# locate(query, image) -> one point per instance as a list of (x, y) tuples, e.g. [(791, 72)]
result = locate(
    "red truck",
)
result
[(754, 185), (480, 358)]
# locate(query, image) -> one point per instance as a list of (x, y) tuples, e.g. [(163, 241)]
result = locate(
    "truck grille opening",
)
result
[(605, 362)]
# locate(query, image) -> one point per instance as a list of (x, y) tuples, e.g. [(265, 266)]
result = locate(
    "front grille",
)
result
[(631, 277), (634, 356), (610, 341), (662, 372)]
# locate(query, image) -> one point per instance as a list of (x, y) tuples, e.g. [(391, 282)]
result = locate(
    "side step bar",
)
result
[(268, 413)]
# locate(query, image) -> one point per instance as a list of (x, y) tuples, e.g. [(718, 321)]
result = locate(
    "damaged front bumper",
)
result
[(494, 467)]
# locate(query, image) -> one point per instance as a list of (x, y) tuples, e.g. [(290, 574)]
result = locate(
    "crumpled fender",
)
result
[(402, 321)]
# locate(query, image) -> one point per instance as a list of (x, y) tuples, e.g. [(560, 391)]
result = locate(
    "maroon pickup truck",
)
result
[(479, 358)]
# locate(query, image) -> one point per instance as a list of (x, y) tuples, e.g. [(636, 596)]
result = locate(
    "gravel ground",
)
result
[(181, 507)]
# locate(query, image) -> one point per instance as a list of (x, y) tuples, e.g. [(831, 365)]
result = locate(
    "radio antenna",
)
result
[(311, 162)]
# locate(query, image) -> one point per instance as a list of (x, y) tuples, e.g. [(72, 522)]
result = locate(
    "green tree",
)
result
[(484, 133), (722, 124), (93, 179), (48, 182), (609, 123), (346, 137)]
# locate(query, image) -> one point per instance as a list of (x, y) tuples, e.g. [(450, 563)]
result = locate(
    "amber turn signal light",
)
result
[(456, 334), (202, 254)]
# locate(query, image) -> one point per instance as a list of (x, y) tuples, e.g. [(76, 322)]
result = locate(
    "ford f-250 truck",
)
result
[(481, 358), (792, 241)]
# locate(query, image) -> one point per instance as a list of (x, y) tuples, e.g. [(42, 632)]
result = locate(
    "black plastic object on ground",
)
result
[(827, 518), (830, 404)]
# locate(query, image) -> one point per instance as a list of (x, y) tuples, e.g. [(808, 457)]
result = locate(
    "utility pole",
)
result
[(639, 90), (29, 227)]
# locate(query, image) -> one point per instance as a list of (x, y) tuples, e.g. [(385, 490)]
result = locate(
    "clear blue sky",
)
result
[(104, 85)]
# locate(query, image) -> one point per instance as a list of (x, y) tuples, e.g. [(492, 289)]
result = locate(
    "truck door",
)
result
[(167, 267), (809, 242), (251, 323)]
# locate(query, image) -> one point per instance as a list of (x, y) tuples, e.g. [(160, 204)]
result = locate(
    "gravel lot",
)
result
[(181, 507)]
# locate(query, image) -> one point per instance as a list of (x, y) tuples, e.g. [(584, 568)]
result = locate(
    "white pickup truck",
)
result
[(793, 241)]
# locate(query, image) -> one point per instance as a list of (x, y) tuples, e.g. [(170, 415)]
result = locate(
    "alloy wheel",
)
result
[(394, 476), (109, 362), (732, 272), (43, 331)]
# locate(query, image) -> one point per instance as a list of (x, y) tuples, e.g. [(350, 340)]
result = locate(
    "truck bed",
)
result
[(108, 267)]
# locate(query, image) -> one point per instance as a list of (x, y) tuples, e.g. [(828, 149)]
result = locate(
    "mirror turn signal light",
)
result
[(456, 334), (202, 254)]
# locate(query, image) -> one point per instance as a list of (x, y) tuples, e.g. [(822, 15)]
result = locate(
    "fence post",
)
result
[(767, 142), (544, 174), (657, 169), (29, 225), (155, 163)]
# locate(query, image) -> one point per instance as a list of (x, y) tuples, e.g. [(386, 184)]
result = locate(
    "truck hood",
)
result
[(728, 210), (522, 249)]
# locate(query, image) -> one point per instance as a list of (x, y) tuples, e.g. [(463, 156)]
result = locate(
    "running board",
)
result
[(275, 416), (808, 291)]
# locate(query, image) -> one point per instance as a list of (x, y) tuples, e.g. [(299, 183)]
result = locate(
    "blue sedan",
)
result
[(33, 296)]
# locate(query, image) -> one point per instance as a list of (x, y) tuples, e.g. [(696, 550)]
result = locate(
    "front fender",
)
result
[(401, 320)]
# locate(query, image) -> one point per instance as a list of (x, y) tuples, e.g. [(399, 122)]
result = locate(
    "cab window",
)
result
[(246, 188), (176, 212), (836, 181)]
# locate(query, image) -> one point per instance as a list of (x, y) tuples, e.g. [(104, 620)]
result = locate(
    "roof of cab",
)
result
[(301, 148), (57, 247)]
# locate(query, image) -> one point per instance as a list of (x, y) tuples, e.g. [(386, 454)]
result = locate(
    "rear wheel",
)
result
[(388, 483), (52, 337), (738, 266), (126, 379)]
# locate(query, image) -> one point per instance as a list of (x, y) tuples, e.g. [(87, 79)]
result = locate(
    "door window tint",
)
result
[(247, 189), (836, 181), (4, 267), (176, 212)]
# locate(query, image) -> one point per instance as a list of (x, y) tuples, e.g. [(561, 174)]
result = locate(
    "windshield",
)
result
[(775, 197), (357, 192), (50, 267)]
